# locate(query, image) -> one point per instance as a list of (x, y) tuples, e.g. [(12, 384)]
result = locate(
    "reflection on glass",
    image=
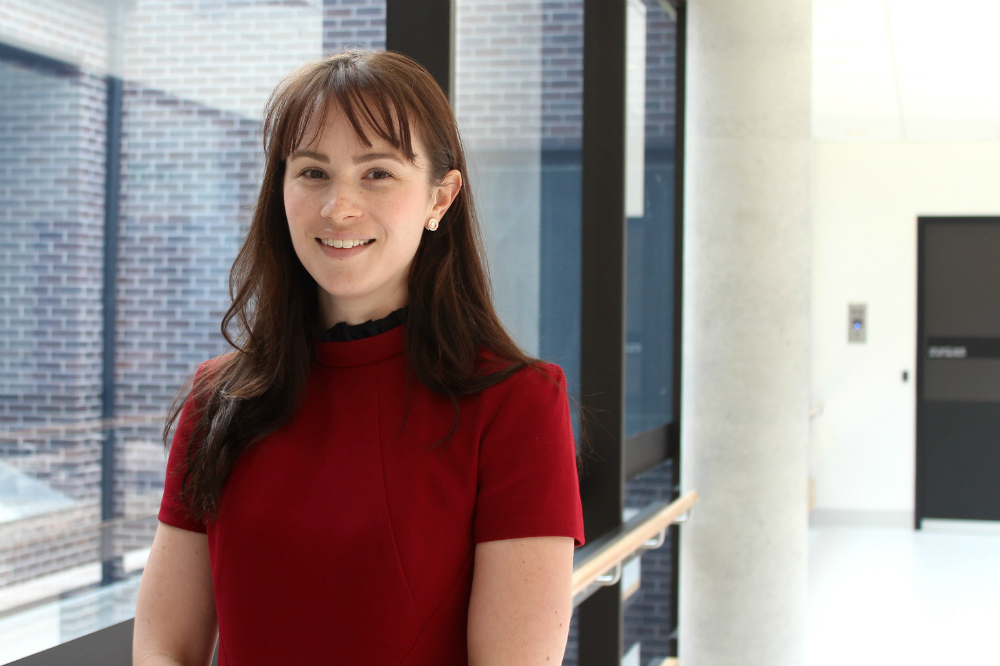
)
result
[(519, 104), (518, 99), (195, 77), (648, 612), (651, 95)]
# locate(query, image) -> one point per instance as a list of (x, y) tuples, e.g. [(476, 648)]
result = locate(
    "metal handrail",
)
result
[(599, 563)]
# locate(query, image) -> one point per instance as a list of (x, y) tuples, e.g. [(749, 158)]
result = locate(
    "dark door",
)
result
[(958, 368)]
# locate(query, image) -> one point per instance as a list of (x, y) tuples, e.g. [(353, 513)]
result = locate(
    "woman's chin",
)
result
[(339, 294), (359, 300)]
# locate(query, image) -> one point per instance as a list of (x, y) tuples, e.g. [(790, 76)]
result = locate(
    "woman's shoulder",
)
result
[(528, 415), (208, 368), (534, 379), (202, 382)]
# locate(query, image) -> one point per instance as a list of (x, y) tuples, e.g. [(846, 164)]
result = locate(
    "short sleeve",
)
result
[(172, 509), (528, 484)]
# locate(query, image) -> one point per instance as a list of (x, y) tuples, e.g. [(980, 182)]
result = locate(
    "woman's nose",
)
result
[(341, 203)]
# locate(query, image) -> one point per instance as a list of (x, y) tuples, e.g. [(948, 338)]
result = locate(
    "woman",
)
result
[(377, 474)]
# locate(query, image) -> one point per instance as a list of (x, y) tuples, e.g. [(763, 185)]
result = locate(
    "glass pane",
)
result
[(648, 611), (518, 99), (651, 94), (195, 77), (519, 103)]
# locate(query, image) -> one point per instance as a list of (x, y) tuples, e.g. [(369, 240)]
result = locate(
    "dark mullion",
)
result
[(112, 186), (602, 316), (423, 30), (680, 78), (920, 485)]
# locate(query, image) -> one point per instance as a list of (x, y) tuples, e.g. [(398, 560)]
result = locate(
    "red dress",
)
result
[(345, 538)]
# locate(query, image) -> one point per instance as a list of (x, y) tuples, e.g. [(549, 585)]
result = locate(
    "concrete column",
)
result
[(746, 332)]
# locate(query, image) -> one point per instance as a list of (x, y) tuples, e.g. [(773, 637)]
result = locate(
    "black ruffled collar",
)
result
[(343, 332)]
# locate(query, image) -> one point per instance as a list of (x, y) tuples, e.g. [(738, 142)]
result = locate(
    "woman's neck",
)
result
[(338, 310)]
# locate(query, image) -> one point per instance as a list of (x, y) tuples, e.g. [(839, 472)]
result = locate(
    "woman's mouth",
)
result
[(345, 244)]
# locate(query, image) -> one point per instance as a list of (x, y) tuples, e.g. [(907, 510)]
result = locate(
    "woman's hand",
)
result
[(175, 621), (521, 605)]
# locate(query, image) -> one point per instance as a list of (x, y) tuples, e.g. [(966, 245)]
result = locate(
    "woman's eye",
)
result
[(379, 174), (312, 173)]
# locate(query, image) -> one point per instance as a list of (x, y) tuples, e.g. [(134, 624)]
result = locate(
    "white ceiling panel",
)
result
[(955, 21), (957, 90), (848, 22), (930, 68), (853, 89), (856, 115), (873, 59), (864, 129), (952, 130), (946, 59), (948, 117)]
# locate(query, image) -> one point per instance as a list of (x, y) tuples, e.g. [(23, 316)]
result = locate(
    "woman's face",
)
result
[(356, 215)]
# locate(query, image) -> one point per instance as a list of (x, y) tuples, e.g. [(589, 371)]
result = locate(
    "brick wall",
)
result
[(519, 73), (51, 235), (74, 30), (188, 175), (661, 79), (562, 73), (191, 161), (498, 74), (519, 83), (196, 77), (190, 171), (51, 222), (47, 543), (509, 52), (350, 24), (648, 615), (223, 54)]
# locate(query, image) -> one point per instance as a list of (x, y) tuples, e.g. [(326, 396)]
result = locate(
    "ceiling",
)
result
[(906, 70)]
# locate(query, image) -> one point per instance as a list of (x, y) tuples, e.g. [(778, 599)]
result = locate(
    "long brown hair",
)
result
[(247, 394)]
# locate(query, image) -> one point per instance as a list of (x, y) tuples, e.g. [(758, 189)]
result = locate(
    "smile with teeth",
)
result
[(346, 244)]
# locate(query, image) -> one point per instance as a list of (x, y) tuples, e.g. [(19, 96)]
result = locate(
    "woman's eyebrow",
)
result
[(367, 157), (371, 157), (319, 157)]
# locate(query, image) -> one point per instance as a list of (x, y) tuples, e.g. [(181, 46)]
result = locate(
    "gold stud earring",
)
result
[(433, 224)]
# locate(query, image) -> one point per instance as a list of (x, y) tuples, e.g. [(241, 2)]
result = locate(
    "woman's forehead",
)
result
[(333, 119)]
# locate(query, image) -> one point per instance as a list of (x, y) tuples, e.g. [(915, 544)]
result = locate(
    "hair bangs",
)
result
[(368, 99)]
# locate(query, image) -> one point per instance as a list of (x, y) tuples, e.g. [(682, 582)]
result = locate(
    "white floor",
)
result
[(882, 597)]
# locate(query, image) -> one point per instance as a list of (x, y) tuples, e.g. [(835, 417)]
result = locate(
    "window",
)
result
[(193, 80)]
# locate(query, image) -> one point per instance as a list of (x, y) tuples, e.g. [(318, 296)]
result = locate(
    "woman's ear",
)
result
[(444, 193)]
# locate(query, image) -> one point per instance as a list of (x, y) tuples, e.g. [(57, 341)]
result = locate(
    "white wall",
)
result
[(866, 200)]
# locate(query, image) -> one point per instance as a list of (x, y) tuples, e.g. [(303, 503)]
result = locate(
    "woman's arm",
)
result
[(175, 622), (520, 608)]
